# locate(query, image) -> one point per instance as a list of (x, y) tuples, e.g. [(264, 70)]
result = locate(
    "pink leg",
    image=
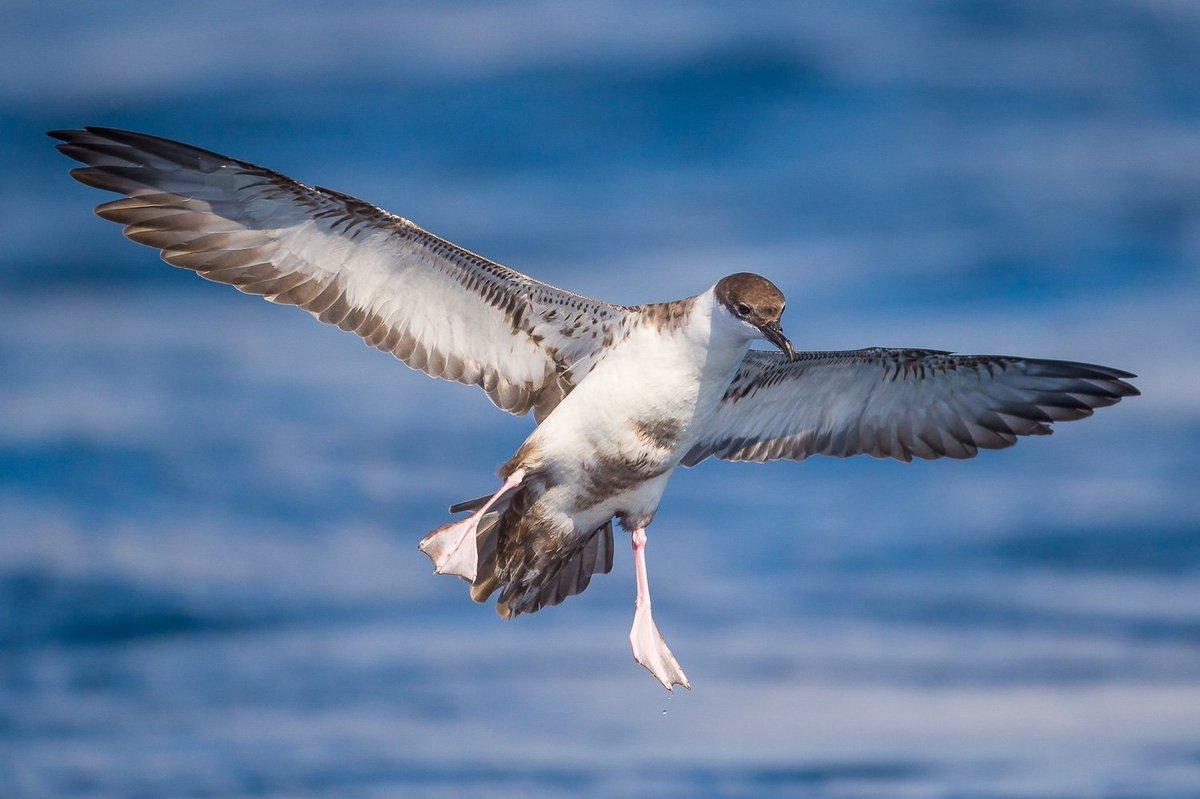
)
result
[(452, 547), (649, 648)]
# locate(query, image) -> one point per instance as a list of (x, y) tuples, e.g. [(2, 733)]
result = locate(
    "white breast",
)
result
[(645, 404)]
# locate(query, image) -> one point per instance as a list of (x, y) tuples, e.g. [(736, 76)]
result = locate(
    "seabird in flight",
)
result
[(622, 395)]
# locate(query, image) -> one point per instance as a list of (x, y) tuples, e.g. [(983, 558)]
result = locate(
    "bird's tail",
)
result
[(530, 566)]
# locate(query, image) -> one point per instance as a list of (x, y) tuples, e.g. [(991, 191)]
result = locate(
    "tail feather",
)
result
[(471, 505), (529, 566), (529, 592)]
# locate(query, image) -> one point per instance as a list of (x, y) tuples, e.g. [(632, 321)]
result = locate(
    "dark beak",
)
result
[(774, 334)]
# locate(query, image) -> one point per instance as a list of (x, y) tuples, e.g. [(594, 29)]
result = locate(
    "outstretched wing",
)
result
[(898, 403), (435, 306)]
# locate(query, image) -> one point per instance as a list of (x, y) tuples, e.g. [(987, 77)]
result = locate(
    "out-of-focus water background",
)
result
[(209, 506)]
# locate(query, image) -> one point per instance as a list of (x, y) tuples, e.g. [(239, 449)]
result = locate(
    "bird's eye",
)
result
[(743, 309)]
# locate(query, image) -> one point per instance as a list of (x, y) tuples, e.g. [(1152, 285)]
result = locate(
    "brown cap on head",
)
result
[(759, 302), (750, 297)]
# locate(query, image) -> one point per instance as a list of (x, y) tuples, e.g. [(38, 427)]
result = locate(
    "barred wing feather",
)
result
[(435, 306), (898, 403)]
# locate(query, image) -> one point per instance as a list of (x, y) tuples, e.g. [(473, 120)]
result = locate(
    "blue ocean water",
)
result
[(209, 506)]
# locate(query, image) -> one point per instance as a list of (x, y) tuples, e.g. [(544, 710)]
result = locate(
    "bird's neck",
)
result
[(695, 334), (716, 335), (718, 328)]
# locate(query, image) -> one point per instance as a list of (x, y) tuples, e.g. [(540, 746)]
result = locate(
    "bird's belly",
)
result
[(601, 488), (612, 463), (611, 444)]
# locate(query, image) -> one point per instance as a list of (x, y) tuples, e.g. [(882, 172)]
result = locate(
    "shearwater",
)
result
[(622, 395)]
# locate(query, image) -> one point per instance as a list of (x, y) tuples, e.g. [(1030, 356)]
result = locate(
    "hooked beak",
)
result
[(774, 334)]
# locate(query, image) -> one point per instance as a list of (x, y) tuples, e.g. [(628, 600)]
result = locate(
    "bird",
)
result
[(621, 396)]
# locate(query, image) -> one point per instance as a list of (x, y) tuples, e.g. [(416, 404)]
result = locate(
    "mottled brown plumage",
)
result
[(664, 316), (661, 431)]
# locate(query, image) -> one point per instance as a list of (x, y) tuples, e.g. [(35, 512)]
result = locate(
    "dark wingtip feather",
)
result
[(118, 134), (90, 176), (73, 151), (64, 135), (171, 149), (1126, 389), (1085, 370)]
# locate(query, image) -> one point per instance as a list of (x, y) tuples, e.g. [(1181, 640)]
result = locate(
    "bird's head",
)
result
[(756, 303)]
